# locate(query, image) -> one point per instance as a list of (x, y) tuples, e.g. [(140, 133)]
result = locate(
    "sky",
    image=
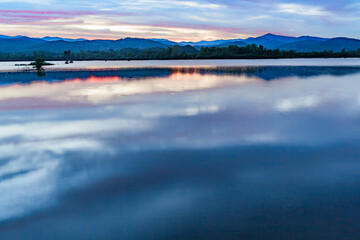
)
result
[(184, 20)]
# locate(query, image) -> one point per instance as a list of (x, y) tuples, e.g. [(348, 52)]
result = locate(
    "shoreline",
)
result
[(98, 65), (170, 59)]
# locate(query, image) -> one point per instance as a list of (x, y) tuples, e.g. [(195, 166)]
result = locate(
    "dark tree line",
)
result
[(179, 52), (259, 52)]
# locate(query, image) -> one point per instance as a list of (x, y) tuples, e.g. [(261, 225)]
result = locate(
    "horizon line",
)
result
[(150, 38)]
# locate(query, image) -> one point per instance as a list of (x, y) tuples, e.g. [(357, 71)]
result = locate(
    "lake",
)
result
[(233, 149)]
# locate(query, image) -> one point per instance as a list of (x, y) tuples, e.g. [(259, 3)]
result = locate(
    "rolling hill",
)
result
[(270, 41), (299, 44), (21, 44), (237, 43), (337, 44), (17, 44), (25, 44)]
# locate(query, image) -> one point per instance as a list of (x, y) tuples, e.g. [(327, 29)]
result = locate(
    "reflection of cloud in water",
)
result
[(31, 131), (101, 90), (293, 104), (177, 155), (29, 173)]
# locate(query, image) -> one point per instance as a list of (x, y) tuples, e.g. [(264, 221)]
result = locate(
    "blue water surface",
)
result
[(268, 152)]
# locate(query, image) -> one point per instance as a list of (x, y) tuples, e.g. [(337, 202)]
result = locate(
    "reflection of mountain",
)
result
[(269, 73), (23, 77), (266, 73), (273, 73)]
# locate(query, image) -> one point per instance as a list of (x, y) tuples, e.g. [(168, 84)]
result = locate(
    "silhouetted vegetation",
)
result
[(38, 64), (259, 52), (180, 52)]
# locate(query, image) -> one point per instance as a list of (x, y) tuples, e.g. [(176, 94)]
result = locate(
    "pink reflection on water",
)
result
[(95, 90)]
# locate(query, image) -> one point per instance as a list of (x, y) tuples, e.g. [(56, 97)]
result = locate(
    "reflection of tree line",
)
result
[(264, 72), (271, 72)]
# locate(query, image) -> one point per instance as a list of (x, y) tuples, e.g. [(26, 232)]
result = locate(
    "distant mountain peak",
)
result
[(270, 35), (48, 38)]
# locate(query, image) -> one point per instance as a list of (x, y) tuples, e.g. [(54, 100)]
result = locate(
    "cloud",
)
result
[(46, 2), (301, 9), (188, 20)]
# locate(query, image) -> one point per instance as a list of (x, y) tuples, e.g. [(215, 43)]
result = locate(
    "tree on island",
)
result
[(38, 65)]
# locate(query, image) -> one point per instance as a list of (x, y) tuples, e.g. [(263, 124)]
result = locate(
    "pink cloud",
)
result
[(64, 13), (30, 16), (71, 13), (184, 25), (34, 17), (199, 26)]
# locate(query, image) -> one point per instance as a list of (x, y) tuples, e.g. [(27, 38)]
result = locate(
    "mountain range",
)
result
[(9, 44), (299, 44)]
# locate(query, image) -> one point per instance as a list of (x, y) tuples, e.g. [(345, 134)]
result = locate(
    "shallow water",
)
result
[(268, 152), (114, 65)]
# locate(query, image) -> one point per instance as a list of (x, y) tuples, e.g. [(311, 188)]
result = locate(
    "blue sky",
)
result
[(179, 20)]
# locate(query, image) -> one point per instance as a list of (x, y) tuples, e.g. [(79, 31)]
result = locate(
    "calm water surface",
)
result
[(266, 152)]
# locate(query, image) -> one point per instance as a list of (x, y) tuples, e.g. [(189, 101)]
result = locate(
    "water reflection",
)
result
[(263, 72), (61, 89), (181, 154)]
